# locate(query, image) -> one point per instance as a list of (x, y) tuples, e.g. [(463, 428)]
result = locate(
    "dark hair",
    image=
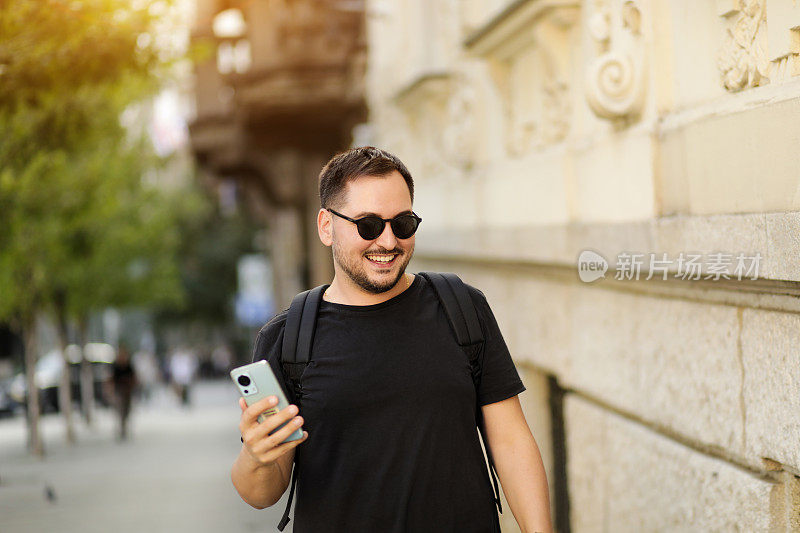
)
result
[(354, 163)]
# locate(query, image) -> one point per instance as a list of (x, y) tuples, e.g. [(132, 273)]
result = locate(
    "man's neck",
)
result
[(347, 292)]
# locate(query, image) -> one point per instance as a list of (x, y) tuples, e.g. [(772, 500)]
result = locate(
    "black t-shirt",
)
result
[(389, 405)]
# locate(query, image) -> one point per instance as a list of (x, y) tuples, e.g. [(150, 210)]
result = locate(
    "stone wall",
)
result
[(537, 129)]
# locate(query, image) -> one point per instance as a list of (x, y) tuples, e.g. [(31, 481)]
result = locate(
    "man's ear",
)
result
[(324, 227)]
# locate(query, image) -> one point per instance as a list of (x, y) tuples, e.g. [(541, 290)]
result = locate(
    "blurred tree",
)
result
[(209, 256), (79, 230)]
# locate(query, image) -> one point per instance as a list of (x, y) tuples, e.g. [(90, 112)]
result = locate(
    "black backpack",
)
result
[(299, 336)]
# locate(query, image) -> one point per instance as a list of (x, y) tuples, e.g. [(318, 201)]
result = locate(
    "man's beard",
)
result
[(356, 270)]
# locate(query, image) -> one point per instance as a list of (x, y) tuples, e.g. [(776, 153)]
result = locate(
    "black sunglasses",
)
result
[(370, 227)]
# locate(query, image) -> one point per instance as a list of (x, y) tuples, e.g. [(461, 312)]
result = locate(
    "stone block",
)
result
[(614, 179), (775, 236), (625, 477), (687, 32), (526, 190), (771, 396), (730, 234), (782, 257), (542, 311), (744, 162), (668, 361)]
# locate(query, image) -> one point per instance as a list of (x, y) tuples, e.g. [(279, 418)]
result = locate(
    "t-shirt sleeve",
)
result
[(268, 347), (499, 377)]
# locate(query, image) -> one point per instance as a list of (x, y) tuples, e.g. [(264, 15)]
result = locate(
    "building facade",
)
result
[(278, 95), (635, 135)]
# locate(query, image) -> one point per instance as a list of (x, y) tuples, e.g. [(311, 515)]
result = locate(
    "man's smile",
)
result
[(382, 260)]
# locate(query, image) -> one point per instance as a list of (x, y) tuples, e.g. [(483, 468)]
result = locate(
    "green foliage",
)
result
[(122, 247), (209, 254), (77, 224), (57, 47)]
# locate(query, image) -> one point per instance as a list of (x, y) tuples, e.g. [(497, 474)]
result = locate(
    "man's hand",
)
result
[(264, 448)]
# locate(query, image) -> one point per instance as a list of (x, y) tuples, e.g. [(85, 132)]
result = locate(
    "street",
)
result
[(172, 475)]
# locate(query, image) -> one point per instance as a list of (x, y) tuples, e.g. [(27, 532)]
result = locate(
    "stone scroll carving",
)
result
[(615, 80)]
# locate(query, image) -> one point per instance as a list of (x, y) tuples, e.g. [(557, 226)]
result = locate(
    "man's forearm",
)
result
[(524, 483), (260, 486)]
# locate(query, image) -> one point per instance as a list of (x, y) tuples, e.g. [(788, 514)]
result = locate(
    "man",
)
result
[(124, 382), (390, 442)]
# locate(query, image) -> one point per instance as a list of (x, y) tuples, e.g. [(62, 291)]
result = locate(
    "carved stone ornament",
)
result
[(538, 110), (743, 60), (439, 110), (459, 137), (615, 81), (557, 110), (783, 40), (530, 56)]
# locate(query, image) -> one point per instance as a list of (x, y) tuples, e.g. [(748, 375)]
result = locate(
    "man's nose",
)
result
[(387, 239)]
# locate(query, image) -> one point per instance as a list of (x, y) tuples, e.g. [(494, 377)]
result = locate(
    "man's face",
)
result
[(384, 196)]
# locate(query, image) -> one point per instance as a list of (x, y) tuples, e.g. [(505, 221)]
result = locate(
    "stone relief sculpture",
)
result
[(543, 120), (743, 60), (761, 44), (615, 81), (538, 99), (438, 114), (459, 136), (522, 92), (783, 40), (556, 110), (530, 58)]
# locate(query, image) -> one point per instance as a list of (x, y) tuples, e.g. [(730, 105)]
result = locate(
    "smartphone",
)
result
[(256, 381)]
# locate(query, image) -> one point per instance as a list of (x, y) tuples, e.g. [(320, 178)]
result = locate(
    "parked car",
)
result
[(8, 405), (50, 367)]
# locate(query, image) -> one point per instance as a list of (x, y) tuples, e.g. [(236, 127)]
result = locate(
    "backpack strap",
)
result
[(463, 318), (298, 338), (457, 305)]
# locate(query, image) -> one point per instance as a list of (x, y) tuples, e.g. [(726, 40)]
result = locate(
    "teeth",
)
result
[(381, 258)]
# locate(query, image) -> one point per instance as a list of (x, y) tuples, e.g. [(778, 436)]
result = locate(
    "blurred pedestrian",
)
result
[(124, 381), (147, 372), (221, 358), (182, 369)]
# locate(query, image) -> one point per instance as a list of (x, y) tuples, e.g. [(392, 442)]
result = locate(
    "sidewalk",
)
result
[(172, 475)]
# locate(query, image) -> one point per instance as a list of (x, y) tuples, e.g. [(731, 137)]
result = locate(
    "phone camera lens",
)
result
[(244, 381)]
